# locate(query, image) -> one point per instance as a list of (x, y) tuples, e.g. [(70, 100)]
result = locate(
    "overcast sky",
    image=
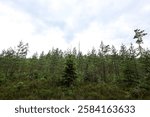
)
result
[(64, 23)]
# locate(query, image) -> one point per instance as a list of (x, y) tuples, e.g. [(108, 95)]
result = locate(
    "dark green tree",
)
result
[(103, 55), (130, 68), (69, 75), (21, 53), (9, 64), (123, 52), (115, 61), (55, 63), (145, 60)]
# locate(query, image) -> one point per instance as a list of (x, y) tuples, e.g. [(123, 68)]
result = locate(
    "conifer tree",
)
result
[(22, 50), (115, 61), (139, 35), (123, 52), (103, 52), (69, 75), (145, 81), (131, 70)]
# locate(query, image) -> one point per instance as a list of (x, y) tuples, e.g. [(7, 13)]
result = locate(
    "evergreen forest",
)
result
[(102, 74)]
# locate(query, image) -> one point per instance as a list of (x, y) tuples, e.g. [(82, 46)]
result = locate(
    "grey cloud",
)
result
[(105, 13)]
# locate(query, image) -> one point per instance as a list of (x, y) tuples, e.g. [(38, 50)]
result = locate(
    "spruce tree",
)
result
[(146, 70), (130, 69), (69, 74)]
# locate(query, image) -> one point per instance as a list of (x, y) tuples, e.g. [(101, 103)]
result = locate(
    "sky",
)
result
[(63, 24)]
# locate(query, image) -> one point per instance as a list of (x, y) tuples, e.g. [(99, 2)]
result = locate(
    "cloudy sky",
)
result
[(64, 23)]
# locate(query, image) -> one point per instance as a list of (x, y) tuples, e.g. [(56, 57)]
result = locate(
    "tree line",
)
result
[(126, 70)]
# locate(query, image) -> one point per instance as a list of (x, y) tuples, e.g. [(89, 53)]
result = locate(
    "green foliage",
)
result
[(130, 76), (105, 73), (22, 50), (69, 75)]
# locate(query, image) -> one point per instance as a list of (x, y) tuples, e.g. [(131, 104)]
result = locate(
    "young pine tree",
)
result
[(130, 71), (69, 75), (146, 67)]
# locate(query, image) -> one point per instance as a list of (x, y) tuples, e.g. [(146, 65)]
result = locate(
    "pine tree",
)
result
[(69, 75), (21, 53), (130, 69), (139, 35), (22, 50), (123, 52), (115, 61), (103, 53), (146, 69)]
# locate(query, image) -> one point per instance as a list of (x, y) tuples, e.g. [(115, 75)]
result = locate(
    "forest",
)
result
[(102, 74)]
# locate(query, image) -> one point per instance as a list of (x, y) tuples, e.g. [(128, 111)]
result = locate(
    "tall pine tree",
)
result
[(69, 75)]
